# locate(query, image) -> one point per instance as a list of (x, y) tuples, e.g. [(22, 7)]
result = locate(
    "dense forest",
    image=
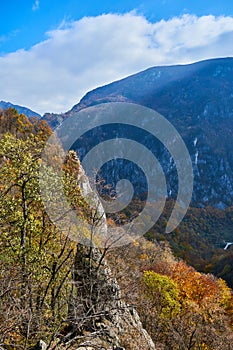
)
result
[(53, 289), (200, 239)]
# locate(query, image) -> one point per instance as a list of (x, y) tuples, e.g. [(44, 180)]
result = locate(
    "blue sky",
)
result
[(52, 52), (25, 23)]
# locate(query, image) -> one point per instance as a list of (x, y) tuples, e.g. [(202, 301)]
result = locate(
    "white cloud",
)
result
[(36, 5), (54, 74)]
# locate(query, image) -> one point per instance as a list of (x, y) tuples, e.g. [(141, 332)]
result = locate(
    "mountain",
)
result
[(21, 110), (198, 100)]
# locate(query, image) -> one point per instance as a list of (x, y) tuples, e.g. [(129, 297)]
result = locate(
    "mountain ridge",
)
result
[(198, 100), (21, 109), (190, 68)]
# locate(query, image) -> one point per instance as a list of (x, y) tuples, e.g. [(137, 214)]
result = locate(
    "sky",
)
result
[(52, 52)]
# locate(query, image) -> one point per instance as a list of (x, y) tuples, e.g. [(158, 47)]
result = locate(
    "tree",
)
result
[(36, 258), (204, 317), (163, 292), (40, 290)]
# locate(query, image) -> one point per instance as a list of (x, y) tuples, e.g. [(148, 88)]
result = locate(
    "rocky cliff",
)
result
[(98, 316), (108, 323)]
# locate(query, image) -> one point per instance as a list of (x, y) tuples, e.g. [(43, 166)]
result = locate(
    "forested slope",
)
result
[(56, 290)]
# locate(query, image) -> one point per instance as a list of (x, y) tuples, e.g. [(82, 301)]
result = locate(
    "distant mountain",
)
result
[(21, 110), (198, 100)]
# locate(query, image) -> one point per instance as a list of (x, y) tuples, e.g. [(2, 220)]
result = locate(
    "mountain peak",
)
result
[(198, 100)]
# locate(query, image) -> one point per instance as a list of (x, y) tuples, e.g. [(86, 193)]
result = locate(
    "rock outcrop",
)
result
[(107, 322), (98, 317)]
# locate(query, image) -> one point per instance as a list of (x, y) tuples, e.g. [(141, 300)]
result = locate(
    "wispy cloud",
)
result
[(36, 5), (54, 74), (9, 35)]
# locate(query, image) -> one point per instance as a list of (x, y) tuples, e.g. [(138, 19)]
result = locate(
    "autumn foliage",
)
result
[(180, 307)]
